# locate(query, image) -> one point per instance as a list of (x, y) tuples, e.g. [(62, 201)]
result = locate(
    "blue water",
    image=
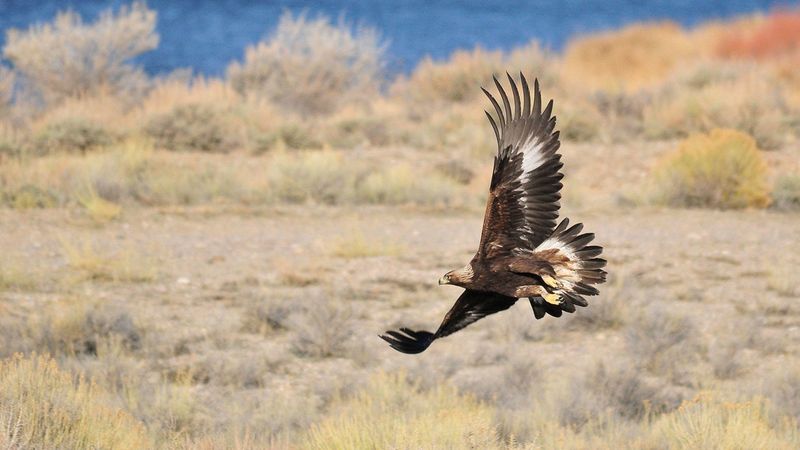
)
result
[(206, 34)]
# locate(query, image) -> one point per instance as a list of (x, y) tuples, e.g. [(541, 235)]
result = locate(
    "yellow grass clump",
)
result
[(42, 406), (395, 413), (357, 245), (124, 266), (721, 169), (708, 423), (629, 59)]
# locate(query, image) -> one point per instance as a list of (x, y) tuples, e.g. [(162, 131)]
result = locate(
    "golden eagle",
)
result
[(522, 253)]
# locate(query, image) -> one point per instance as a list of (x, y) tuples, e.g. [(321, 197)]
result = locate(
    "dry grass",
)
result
[(78, 326), (125, 265), (391, 412), (98, 209), (722, 169), (707, 422), (45, 407), (358, 245)]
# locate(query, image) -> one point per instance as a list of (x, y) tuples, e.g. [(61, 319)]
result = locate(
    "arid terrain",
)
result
[(259, 320), (191, 262)]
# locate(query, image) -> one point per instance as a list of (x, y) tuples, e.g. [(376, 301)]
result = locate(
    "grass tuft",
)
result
[(45, 407)]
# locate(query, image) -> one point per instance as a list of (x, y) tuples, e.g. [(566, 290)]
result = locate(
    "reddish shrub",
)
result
[(779, 34)]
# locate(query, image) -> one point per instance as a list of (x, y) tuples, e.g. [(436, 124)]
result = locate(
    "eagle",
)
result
[(523, 251)]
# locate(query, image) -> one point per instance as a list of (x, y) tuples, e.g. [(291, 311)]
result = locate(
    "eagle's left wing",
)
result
[(470, 307), (524, 194)]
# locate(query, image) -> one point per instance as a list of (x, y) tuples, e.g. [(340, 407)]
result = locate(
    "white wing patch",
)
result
[(562, 247), (532, 157)]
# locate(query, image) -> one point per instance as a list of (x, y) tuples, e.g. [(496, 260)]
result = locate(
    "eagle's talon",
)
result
[(553, 299)]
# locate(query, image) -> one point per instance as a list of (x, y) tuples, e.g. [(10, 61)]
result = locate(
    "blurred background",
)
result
[(209, 210)]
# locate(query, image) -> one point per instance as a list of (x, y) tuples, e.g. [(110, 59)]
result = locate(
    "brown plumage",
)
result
[(522, 253)]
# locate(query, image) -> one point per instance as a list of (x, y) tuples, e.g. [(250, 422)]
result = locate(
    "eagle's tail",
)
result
[(576, 267)]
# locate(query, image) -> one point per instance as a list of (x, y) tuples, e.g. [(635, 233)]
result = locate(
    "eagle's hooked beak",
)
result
[(444, 280)]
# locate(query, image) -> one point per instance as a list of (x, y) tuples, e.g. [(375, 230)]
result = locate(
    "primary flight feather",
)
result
[(522, 252)]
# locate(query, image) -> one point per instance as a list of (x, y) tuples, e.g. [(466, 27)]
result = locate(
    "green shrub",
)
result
[(722, 169), (311, 66), (191, 128), (786, 193), (71, 136)]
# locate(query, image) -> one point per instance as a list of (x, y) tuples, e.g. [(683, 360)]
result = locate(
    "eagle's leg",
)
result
[(536, 290), (550, 281), (533, 290)]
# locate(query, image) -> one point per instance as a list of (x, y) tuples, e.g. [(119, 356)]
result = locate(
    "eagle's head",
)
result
[(458, 277)]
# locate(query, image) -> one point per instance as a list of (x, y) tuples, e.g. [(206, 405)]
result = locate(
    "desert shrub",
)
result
[(619, 391), (77, 327), (391, 412), (311, 65), (632, 58), (782, 388), (456, 80), (29, 197), (607, 311), (322, 177), (71, 136), (398, 184), (721, 96), (68, 58), (50, 409), (722, 169), (267, 316), (778, 33), (194, 127), (322, 328), (786, 193), (707, 422), (459, 78), (7, 78), (664, 343), (297, 137)]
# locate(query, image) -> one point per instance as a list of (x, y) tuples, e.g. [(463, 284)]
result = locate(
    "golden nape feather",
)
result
[(522, 252)]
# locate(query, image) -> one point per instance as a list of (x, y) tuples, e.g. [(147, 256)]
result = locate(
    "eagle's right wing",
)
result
[(524, 194), (470, 307)]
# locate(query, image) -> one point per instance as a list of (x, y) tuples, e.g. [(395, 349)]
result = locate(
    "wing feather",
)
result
[(524, 194), (470, 307)]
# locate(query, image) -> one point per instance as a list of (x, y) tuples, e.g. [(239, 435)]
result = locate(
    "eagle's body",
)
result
[(522, 253)]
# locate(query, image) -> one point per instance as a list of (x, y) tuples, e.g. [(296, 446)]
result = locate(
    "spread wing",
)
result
[(470, 307), (524, 194)]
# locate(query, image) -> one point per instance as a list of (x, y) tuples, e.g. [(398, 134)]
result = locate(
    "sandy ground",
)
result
[(213, 269)]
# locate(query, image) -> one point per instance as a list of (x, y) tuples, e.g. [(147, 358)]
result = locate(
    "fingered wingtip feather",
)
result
[(506, 103), (515, 94)]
